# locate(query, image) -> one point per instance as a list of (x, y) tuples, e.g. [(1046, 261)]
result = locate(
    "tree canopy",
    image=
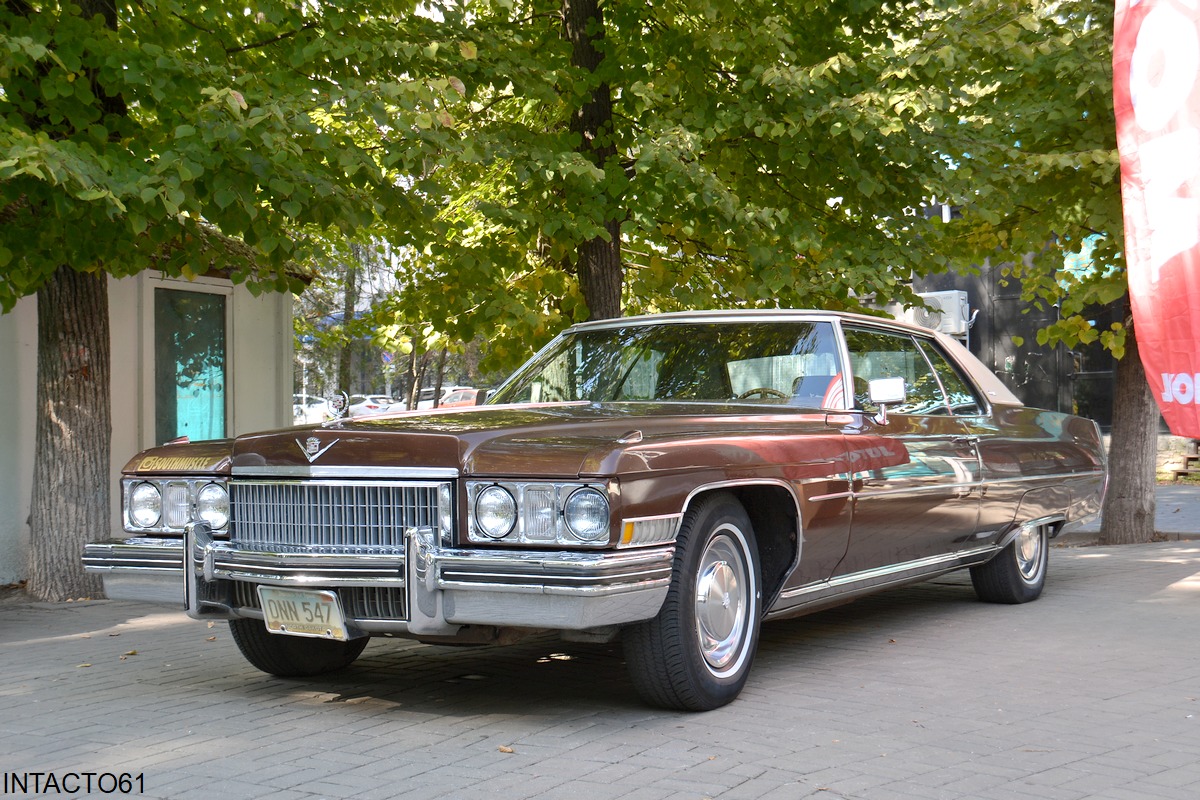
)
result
[(1030, 139), (784, 162), (756, 154), (133, 132), (745, 164)]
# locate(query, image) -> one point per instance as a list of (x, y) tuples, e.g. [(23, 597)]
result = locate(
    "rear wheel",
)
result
[(696, 654), (1018, 573), (292, 656)]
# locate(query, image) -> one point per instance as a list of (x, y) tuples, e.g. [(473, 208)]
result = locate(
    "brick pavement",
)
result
[(922, 692), (1177, 515)]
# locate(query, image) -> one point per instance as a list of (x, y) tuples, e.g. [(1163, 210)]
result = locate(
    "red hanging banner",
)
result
[(1156, 95)]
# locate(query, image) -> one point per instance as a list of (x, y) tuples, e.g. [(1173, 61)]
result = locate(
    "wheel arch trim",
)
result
[(1054, 520), (750, 483)]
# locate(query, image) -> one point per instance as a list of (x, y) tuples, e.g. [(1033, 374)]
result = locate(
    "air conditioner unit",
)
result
[(948, 312)]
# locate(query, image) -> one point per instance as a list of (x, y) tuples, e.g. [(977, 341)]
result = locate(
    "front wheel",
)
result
[(696, 654), (292, 656), (1018, 573)]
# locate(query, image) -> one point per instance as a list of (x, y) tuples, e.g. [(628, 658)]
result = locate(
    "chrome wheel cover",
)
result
[(1028, 548), (725, 594)]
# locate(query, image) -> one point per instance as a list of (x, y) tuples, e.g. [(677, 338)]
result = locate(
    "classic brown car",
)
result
[(670, 480)]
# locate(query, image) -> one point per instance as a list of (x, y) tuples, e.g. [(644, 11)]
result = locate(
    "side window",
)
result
[(554, 384), (798, 365), (883, 354), (639, 375), (963, 401)]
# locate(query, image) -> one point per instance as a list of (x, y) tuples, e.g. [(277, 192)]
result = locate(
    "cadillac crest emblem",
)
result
[(339, 404), (311, 447)]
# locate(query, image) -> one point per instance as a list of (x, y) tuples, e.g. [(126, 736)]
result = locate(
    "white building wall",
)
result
[(127, 357), (18, 373), (262, 362), (259, 370)]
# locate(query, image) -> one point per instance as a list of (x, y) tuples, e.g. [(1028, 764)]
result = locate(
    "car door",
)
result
[(999, 444), (915, 492)]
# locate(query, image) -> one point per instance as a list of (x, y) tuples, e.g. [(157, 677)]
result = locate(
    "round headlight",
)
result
[(212, 505), (145, 505), (495, 512), (586, 514)]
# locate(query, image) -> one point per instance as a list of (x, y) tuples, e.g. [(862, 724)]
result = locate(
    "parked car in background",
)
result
[(428, 393), (459, 397), (667, 481), (425, 398), (361, 404), (309, 409)]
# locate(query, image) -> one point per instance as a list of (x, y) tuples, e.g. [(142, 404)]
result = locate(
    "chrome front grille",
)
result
[(329, 516), (369, 602)]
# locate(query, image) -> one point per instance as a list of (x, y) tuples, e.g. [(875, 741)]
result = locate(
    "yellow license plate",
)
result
[(302, 612)]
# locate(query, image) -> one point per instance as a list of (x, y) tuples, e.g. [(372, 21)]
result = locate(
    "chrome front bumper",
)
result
[(440, 589)]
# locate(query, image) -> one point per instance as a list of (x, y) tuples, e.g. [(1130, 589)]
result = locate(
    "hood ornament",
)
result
[(311, 447), (339, 404)]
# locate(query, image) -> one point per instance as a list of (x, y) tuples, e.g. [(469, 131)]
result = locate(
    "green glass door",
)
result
[(189, 365)]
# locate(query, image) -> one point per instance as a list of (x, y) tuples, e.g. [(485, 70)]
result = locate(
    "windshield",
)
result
[(795, 363)]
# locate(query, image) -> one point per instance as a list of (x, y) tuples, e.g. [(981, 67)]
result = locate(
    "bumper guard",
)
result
[(443, 588)]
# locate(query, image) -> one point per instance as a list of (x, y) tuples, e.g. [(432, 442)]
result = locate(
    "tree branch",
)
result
[(267, 42)]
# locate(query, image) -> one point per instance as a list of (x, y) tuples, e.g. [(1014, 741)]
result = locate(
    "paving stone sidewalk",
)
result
[(923, 692), (1177, 515)]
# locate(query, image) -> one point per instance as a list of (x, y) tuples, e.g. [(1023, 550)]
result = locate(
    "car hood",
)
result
[(553, 440)]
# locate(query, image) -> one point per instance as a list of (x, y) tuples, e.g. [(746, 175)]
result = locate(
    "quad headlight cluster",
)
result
[(537, 512), (166, 505)]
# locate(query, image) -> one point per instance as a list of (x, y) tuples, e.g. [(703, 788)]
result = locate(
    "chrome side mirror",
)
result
[(884, 392)]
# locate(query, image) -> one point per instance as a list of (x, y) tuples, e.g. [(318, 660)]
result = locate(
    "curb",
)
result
[(1091, 538)]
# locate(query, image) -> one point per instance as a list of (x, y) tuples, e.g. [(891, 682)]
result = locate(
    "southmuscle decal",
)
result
[(177, 464)]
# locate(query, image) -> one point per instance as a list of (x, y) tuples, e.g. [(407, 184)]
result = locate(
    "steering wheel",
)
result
[(764, 392)]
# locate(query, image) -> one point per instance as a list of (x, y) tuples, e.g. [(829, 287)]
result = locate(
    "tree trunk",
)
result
[(70, 505), (441, 375), (1129, 507), (601, 275), (419, 367), (598, 260), (349, 306), (73, 435)]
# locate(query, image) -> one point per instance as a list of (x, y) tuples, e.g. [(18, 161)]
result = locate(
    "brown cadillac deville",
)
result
[(670, 480)]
